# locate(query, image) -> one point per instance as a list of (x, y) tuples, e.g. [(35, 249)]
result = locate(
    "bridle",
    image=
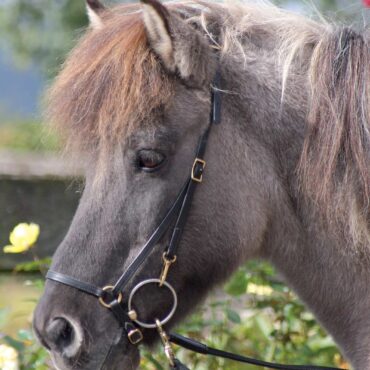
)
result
[(111, 296)]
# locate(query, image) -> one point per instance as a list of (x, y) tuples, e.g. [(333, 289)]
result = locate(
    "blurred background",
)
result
[(37, 186)]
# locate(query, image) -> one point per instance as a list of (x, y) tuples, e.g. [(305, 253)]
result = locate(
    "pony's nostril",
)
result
[(60, 333), (63, 337)]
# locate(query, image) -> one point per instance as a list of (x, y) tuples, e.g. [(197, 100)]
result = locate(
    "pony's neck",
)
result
[(332, 278), (329, 275), (333, 281)]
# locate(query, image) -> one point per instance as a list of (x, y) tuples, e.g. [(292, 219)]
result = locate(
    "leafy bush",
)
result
[(254, 314)]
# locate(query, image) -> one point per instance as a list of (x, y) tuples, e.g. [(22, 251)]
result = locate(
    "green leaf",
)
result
[(152, 360), (233, 316), (264, 325), (238, 284), (18, 345), (25, 335), (316, 344), (33, 265)]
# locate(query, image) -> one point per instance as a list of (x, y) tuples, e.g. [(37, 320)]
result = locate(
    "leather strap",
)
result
[(120, 313), (201, 348), (136, 263), (152, 242), (78, 284), (187, 201)]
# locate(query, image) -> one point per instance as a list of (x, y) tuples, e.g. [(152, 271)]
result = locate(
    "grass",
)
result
[(27, 136)]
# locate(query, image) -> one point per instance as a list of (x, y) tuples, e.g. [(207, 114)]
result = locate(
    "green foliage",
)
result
[(34, 266), (30, 355), (27, 136), (41, 31), (267, 324)]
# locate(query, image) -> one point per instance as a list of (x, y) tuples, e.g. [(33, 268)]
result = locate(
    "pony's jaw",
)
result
[(127, 362)]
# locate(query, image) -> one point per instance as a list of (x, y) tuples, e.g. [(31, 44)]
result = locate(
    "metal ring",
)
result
[(107, 289), (168, 317)]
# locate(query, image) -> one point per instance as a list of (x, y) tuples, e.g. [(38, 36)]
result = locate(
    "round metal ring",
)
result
[(107, 289), (168, 317)]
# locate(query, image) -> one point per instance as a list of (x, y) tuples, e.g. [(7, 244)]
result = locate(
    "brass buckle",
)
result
[(135, 336), (193, 177), (107, 289)]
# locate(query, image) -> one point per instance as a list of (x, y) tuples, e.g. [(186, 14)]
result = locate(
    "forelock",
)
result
[(110, 83)]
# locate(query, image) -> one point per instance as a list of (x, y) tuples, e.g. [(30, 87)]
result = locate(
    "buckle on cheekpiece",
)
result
[(135, 336), (198, 177)]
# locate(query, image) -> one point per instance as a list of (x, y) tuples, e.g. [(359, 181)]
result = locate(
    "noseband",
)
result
[(111, 296)]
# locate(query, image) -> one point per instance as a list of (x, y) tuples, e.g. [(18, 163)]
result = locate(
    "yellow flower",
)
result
[(8, 358), (22, 238), (259, 289)]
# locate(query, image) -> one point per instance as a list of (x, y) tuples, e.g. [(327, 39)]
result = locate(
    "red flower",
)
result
[(366, 3)]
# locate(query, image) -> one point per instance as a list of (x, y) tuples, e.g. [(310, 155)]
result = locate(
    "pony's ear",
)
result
[(94, 10), (181, 48)]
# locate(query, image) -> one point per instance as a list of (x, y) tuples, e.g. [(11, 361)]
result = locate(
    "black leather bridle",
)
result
[(111, 295)]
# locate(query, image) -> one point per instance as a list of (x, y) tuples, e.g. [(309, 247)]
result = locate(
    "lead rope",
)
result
[(195, 346)]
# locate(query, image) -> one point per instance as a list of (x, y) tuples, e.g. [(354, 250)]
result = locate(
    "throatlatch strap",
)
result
[(201, 348)]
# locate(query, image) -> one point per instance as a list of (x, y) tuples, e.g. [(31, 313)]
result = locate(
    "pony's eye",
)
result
[(150, 160)]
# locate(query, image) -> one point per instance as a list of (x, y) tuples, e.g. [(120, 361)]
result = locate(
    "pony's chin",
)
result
[(117, 360), (122, 364)]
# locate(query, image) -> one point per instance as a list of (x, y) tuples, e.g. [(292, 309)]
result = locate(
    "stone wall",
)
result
[(36, 188)]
